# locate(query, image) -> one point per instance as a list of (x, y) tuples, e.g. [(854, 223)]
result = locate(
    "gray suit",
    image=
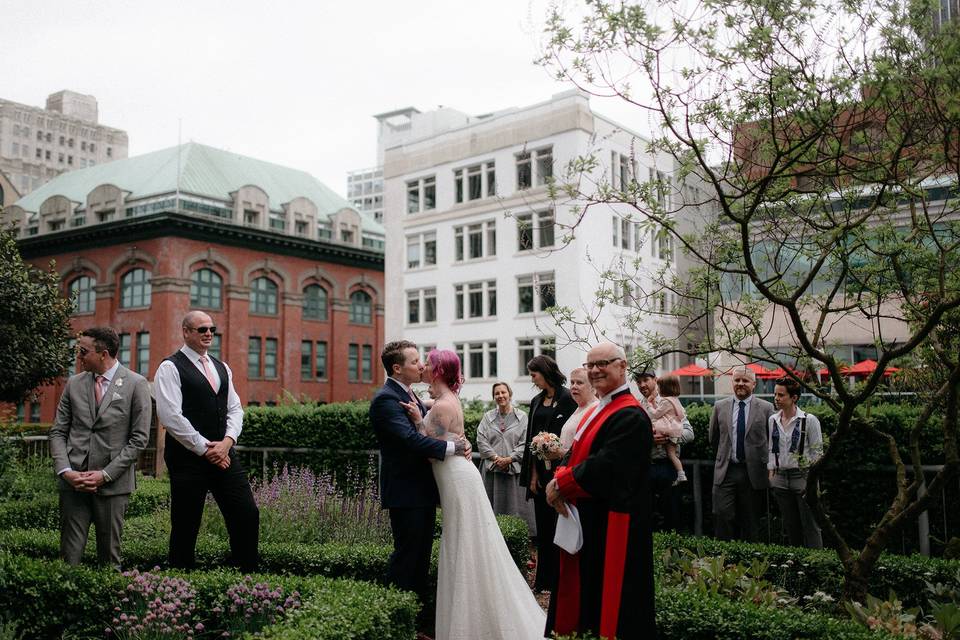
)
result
[(108, 437), (738, 488)]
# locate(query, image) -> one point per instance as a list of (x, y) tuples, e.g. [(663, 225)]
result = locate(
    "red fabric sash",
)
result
[(568, 589)]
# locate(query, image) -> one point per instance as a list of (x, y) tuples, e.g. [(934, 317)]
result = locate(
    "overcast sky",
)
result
[(292, 82)]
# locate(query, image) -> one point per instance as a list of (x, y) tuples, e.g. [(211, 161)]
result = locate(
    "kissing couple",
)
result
[(425, 459)]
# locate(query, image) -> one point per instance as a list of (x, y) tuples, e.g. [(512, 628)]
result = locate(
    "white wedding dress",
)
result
[(480, 592)]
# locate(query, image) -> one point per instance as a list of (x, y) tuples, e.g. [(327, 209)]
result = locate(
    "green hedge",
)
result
[(46, 598)]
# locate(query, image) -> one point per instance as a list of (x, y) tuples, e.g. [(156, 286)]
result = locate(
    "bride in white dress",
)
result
[(480, 592)]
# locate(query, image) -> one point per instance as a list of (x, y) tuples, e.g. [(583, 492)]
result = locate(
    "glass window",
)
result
[(135, 289), (525, 295), (263, 296), (429, 305), (475, 295), (270, 358), (206, 289), (253, 357), (525, 353), (430, 193), (214, 349), (413, 307), (492, 238), (475, 236), (474, 182), (366, 362), (143, 353), (353, 363), (458, 244), (547, 291), (544, 165), (524, 232), (430, 248), (413, 196), (306, 360), (413, 252), (315, 302), (492, 298), (361, 308), (83, 295), (123, 355), (458, 185), (546, 229), (624, 234), (72, 369), (524, 177), (458, 298), (320, 360), (491, 179)]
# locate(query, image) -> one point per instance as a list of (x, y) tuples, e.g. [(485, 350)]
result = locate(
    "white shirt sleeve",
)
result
[(170, 409), (234, 409), (451, 448)]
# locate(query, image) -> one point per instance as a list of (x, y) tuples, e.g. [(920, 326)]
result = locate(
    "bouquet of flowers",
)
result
[(547, 447)]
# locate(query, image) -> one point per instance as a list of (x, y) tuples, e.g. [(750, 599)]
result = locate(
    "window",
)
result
[(278, 223), (306, 360), (206, 289), (143, 353), (661, 245), (34, 412), (625, 234), (534, 168), (475, 241), (135, 289), (320, 361), (536, 292), (83, 294), (479, 359), (527, 348), (214, 349), (301, 228), (624, 172), (263, 296), (72, 369), (346, 236), (314, 302), (421, 306), (535, 230), (253, 357), (105, 215), (475, 182), (475, 300), (361, 308), (353, 363), (123, 355), (109, 152), (366, 363), (251, 217), (422, 250), (660, 183), (270, 358), (422, 194)]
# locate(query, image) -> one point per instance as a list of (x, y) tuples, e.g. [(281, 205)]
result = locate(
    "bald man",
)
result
[(607, 586), (201, 410)]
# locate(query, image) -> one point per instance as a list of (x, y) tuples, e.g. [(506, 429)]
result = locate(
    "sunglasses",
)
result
[(211, 330)]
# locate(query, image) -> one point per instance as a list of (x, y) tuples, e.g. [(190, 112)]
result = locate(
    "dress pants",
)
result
[(548, 554), (409, 564), (799, 525), (737, 506), (666, 502), (190, 480), (77, 510)]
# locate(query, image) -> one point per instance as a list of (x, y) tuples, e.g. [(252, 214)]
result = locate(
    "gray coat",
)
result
[(85, 437), (755, 440)]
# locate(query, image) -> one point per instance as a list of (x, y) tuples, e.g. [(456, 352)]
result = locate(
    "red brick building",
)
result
[(290, 273)]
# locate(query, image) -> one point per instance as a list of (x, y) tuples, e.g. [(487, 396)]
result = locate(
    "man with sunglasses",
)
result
[(606, 585), (102, 424), (201, 411)]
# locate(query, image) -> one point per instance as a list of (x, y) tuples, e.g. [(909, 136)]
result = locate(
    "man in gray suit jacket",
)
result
[(738, 428), (102, 424)]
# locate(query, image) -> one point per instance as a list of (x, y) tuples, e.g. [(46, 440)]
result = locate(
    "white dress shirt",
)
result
[(170, 402), (733, 425), (813, 442), (108, 374)]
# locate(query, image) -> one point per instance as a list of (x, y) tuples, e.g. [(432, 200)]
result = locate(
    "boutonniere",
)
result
[(116, 396), (118, 383)]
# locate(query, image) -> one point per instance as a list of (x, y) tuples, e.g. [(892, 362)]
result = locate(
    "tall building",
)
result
[(484, 247), (38, 144), (949, 10), (290, 273)]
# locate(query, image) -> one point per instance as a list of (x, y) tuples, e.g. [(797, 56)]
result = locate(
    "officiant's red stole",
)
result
[(618, 526)]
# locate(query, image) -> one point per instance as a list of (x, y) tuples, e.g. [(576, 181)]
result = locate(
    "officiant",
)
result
[(606, 587)]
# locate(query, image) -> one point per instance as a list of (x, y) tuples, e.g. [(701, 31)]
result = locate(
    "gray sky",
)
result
[(292, 82)]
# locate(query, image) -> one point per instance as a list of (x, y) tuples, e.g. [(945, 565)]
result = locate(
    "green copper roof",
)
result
[(204, 171)]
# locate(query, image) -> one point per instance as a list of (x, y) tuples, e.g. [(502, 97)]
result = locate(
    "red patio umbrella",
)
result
[(692, 370), (867, 367)]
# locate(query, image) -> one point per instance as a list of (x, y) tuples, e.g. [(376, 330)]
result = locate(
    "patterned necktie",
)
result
[(99, 387), (208, 373), (741, 432)]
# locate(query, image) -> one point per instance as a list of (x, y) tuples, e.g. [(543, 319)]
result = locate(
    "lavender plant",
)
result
[(155, 607), (249, 607), (297, 505)]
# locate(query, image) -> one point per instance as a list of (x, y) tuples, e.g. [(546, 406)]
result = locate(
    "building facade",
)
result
[(488, 248), (290, 273), (37, 144)]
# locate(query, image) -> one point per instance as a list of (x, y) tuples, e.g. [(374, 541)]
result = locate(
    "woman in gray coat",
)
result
[(500, 442)]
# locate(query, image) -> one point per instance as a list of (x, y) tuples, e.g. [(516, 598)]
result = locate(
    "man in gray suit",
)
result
[(738, 428), (102, 424)]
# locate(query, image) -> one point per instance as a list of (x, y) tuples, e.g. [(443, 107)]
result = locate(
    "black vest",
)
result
[(206, 410)]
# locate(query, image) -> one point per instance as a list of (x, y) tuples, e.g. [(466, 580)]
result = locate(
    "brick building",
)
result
[(290, 273)]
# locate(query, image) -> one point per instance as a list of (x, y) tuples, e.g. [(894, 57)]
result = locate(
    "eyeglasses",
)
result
[(600, 364), (212, 330)]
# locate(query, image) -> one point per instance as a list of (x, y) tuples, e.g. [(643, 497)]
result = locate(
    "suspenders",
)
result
[(775, 440)]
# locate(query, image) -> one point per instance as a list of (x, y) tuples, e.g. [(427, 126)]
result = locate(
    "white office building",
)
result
[(478, 250)]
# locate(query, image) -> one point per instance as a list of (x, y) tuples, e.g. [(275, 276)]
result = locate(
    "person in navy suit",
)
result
[(407, 487)]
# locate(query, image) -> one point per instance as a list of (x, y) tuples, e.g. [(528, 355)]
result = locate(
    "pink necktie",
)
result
[(98, 388), (208, 373)]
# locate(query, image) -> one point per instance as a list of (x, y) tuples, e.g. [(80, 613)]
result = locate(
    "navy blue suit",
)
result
[(407, 487)]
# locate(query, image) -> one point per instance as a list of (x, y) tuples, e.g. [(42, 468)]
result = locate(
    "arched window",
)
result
[(315, 302), (361, 308), (83, 295), (263, 296), (206, 287), (135, 289)]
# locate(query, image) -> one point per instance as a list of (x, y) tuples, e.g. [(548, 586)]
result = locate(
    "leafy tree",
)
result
[(34, 324), (816, 151)]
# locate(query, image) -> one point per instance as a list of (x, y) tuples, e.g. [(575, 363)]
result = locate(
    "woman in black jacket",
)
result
[(549, 410)]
